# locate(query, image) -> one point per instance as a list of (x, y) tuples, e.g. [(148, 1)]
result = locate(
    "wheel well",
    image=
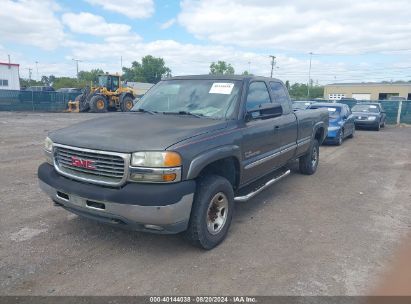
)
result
[(319, 134), (124, 95), (228, 168)]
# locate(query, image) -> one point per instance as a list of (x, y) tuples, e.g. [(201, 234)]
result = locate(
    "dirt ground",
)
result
[(332, 233)]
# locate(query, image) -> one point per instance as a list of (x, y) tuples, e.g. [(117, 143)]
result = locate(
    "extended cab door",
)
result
[(286, 126), (261, 145)]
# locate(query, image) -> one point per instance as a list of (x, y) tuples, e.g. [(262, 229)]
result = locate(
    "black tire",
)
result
[(98, 104), (198, 233), (83, 105), (126, 104), (308, 163), (377, 128), (340, 138), (352, 134)]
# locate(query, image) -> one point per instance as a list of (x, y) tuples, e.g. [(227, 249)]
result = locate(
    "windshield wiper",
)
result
[(184, 113), (146, 111)]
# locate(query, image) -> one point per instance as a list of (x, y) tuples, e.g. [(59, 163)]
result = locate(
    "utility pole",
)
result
[(37, 71), (121, 65), (309, 77), (272, 64), (30, 69), (77, 61)]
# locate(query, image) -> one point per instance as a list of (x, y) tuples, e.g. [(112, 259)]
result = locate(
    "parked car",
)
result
[(369, 115), (40, 89), (69, 90), (341, 121), (302, 104), (188, 150)]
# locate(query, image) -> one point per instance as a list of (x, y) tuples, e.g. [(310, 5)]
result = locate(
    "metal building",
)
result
[(368, 91), (9, 76)]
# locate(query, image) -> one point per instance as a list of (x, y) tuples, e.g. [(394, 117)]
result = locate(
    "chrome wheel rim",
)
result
[(217, 211), (314, 157)]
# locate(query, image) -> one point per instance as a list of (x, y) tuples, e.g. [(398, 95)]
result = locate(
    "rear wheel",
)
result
[(211, 213), (352, 133), (98, 104), (126, 104), (308, 163), (340, 138)]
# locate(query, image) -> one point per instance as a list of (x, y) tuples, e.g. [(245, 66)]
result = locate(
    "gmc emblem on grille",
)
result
[(82, 163)]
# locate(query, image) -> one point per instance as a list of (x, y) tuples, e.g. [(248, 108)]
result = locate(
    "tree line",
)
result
[(152, 69)]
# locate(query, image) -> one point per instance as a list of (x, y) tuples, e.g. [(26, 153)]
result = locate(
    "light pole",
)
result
[(77, 61), (309, 77), (37, 71), (272, 64)]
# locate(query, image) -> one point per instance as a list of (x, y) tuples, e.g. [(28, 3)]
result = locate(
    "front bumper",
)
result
[(332, 135), (366, 123), (150, 207)]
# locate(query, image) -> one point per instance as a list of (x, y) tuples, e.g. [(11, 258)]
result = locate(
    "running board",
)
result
[(267, 184)]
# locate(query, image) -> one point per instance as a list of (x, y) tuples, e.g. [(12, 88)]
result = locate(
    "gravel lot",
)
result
[(332, 233)]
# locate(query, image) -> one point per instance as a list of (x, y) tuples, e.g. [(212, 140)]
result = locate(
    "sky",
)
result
[(350, 41)]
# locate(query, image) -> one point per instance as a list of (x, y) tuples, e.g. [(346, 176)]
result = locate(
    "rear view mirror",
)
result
[(265, 111)]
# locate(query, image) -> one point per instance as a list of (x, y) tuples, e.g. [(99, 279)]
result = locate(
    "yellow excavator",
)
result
[(107, 95)]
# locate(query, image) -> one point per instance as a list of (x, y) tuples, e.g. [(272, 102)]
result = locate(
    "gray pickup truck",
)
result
[(188, 150)]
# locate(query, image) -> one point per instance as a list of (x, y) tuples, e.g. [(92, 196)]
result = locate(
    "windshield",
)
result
[(102, 81), (365, 108), (333, 112), (208, 98)]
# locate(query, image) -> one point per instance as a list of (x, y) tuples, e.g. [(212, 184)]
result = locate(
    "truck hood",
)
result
[(131, 132)]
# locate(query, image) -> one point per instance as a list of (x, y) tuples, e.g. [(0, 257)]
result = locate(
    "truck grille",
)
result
[(105, 168)]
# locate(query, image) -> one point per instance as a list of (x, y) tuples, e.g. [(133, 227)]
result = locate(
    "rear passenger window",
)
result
[(280, 96), (257, 95)]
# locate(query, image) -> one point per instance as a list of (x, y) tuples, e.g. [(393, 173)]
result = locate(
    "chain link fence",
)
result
[(11, 100)]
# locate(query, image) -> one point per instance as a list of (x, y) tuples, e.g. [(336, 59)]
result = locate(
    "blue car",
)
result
[(341, 123)]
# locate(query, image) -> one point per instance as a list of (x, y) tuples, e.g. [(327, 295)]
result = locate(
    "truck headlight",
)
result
[(155, 167), (48, 145), (372, 118), (156, 159), (48, 148)]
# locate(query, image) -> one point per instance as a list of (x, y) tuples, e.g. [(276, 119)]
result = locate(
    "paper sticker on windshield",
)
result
[(221, 88), (332, 109), (373, 107)]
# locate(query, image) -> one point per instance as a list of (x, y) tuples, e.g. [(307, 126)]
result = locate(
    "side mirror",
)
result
[(265, 111)]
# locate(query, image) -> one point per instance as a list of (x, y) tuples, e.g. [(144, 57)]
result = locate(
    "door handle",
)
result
[(276, 128)]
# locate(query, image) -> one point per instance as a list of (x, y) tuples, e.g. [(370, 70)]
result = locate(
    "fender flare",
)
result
[(318, 125), (210, 156), (124, 94)]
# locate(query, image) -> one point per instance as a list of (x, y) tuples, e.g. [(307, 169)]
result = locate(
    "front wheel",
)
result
[(308, 163), (377, 128), (98, 104), (211, 212)]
